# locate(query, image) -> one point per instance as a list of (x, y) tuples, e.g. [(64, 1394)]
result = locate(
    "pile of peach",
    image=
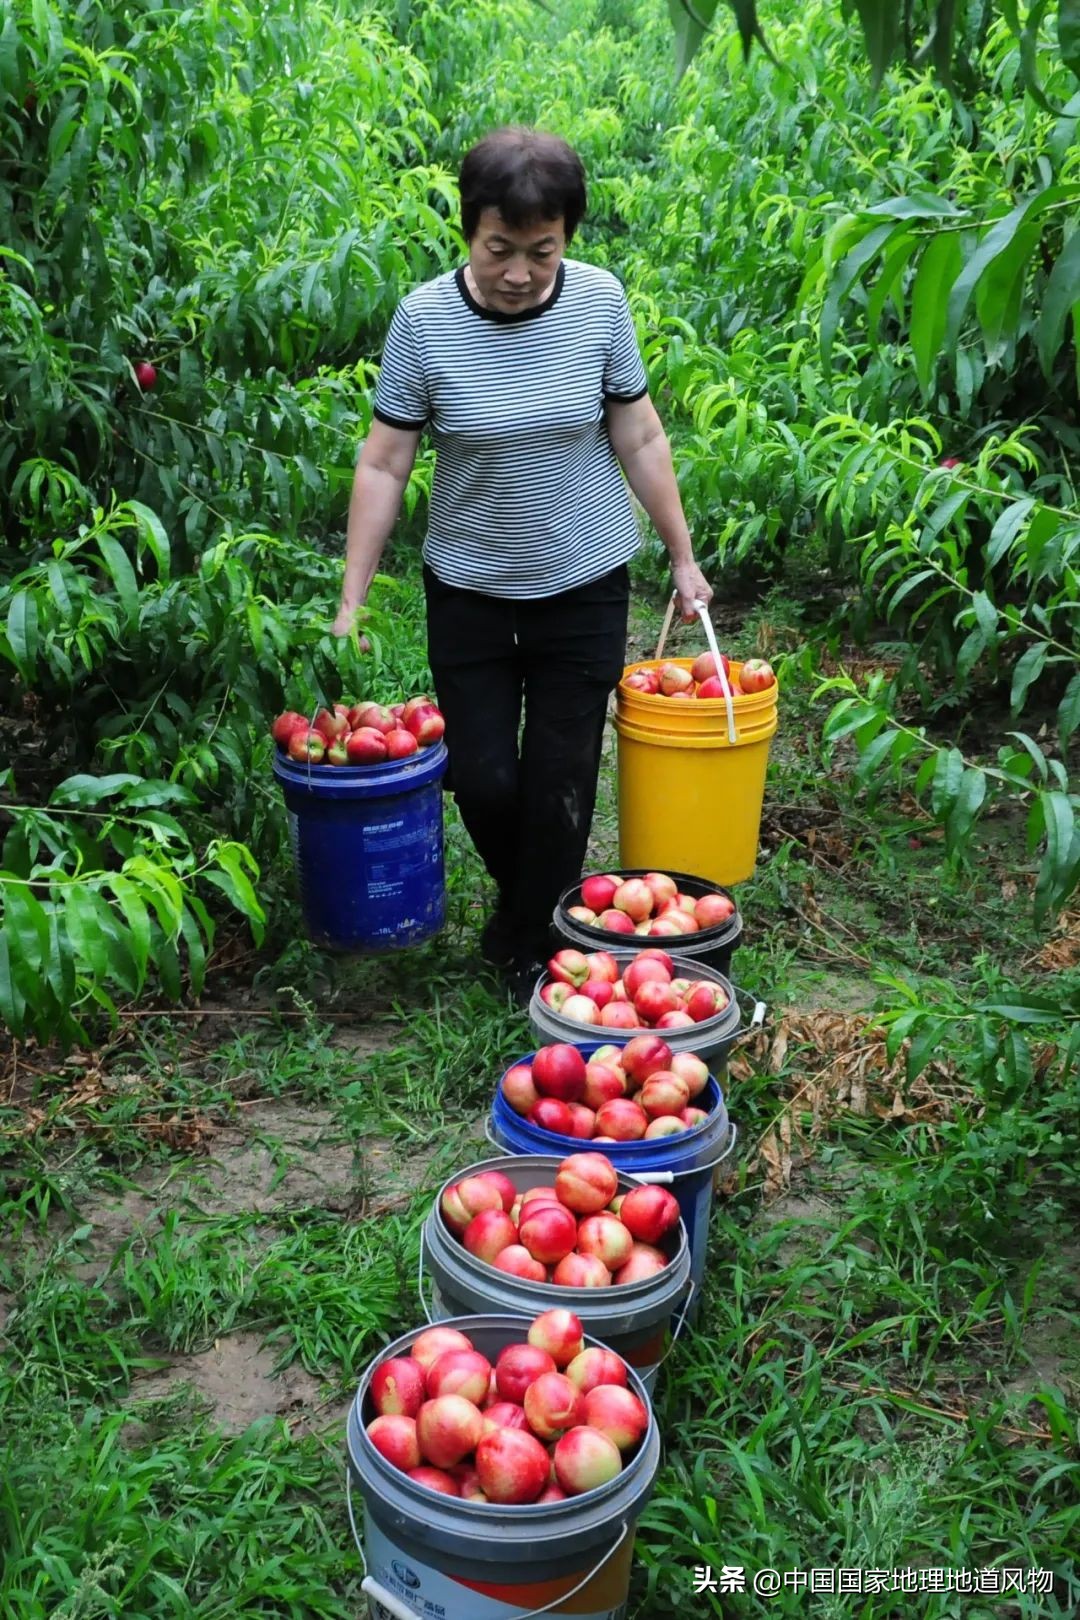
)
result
[(621, 1094), (578, 1233), (548, 1420)]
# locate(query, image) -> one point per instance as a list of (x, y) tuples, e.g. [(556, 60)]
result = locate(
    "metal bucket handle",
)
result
[(420, 1289), (702, 611), (374, 1588)]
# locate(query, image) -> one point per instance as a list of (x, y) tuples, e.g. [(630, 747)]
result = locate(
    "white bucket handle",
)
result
[(490, 1136), (374, 1589), (684, 1313), (702, 612), (420, 1289)]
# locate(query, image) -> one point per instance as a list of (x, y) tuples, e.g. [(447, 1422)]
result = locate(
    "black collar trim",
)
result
[(506, 318)]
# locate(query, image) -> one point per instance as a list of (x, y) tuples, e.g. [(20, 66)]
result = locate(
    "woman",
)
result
[(525, 366)]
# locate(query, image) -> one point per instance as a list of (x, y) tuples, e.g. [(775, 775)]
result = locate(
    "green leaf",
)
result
[(925, 1044), (1068, 715), (941, 42), (84, 930), (132, 905), (118, 566), (845, 273), (1061, 294), (969, 800), (691, 19), (12, 1000), (881, 29), (938, 269), (948, 775), (22, 633), (1069, 34), (996, 240), (1006, 528), (152, 534), (1028, 669), (999, 294)]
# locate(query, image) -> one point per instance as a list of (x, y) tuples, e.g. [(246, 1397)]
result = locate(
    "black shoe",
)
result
[(520, 978), (498, 939)]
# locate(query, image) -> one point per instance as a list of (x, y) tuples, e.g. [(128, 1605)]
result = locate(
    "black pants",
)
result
[(527, 803)]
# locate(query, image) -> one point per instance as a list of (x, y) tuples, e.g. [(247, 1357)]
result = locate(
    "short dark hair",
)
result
[(527, 175)]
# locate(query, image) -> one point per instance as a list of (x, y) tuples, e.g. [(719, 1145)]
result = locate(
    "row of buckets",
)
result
[(384, 823), (426, 1554), (433, 1557)]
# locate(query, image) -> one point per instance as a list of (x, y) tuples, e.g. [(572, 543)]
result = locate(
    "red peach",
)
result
[(448, 1428), (616, 922), (459, 1372), (581, 1271), (512, 1466), (607, 1238), (516, 1261), (634, 898), (394, 1437), (466, 1199), (664, 1093), (712, 688), (618, 1413), (674, 678), (586, 1182), (692, 1117), (580, 1010), (506, 1187), (675, 1020), (373, 715), (622, 1119), (519, 1365), (653, 1000), (488, 1234), (598, 991), (643, 1055), (645, 1261), (582, 914), (400, 743), (663, 928), (552, 1115), (619, 1015), (649, 1212), (552, 1493), (397, 1386), (705, 1000), (582, 1121), (602, 965), (601, 1084), (426, 724), (555, 995), (548, 1232), (569, 967), (665, 1125), (504, 1415), (596, 892), (468, 1483), (660, 886), (714, 909), (704, 666), (435, 1479), (552, 1405), (518, 1089), (642, 970), (559, 1332), (559, 1071), (545, 1193), (434, 1340), (365, 746), (653, 953), (692, 1070), (585, 1459), (594, 1366)]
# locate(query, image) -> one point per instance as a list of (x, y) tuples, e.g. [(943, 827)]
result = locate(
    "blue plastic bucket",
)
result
[(367, 843), (688, 1163)]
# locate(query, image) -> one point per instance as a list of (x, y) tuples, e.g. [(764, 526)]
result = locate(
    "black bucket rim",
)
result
[(716, 935)]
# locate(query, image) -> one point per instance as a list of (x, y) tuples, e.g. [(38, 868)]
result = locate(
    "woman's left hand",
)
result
[(692, 587)]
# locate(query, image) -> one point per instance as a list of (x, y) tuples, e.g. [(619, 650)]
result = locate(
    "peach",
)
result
[(547, 1231), (459, 1372), (704, 666), (616, 1412), (660, 886), (664, 1092), (643, 970), (619, 1015), (622, 1119), (397, 1386), (582, 914), (705, 999), (569, 967), (616, 922), (582, 1121), (552, 1493), (714, 909), (516, 1261), (394, 1437), (552, 1115), (585, 1459), (663, 928), (602, 965), (586, 1182), (675, 1020), (665, 1125), (467, 1198), (692, 1070), (552, 1405), (559, 1332), (634, 898), (643, 1055), (518, 1089), (488, 1234), (644, 1261), (580, 1010), (594, 1366), (581, 1271), (544, 1194), (598, 991), (435, 1479), (649, 1212), (673, 678), (496, 1178), (555, 995), (607, 1238), (434, 1340), (468, 1483), (559, 1071), (512, 1466), (505, 1415), (692, 1117), (654, 1000), (597, 892), (519, 1365), (601, 1084), (610, 1056), (448, 1428)]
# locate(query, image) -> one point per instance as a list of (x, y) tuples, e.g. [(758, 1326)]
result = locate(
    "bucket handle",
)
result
[(683, 1314), (757, 1017), (490, 1136), (702, 611), (376, 1590), (420, 1289)]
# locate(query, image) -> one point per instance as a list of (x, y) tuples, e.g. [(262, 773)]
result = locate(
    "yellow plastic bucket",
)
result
[(689, 798)]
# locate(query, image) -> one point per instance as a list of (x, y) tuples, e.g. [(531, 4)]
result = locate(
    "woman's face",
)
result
[(513, 269)]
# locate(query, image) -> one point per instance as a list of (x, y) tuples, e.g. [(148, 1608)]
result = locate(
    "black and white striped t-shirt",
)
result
[(528, 498)]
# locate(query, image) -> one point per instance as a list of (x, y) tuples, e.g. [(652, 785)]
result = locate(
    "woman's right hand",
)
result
[(343, 623)]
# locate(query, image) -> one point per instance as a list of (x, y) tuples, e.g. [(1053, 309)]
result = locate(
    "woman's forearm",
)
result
[(373, 509)]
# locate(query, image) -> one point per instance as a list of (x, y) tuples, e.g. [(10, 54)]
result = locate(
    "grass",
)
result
[(884, 1373)]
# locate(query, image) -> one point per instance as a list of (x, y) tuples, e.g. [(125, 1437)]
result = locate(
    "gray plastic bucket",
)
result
[(712, 1039), (427, 1555), (632, 1319), (714, 946)]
